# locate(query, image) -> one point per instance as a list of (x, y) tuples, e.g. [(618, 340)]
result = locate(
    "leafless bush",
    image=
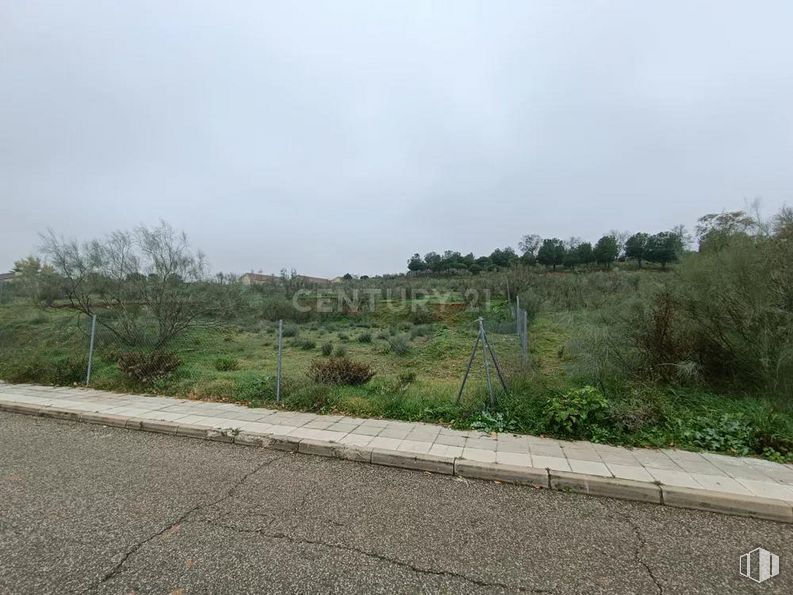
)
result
[(147, 367), (142, 280)]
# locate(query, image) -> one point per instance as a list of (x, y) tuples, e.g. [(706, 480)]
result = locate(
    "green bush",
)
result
[(531, 302), (275, 308), (304, 344), (635, 413), (38, 369), (399, 344), (493, 422), (724, 320), (340, 370), (576, 411), (406, 377), (340, 351), (365, 338), (309, 397), (253, 388), (773, 432), (290, 330), (726, 433), (226, 364), (147, 367), (422, 315), (327, 349), (421, 330)]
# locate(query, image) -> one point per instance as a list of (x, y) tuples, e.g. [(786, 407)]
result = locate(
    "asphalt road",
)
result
[(87, 509)]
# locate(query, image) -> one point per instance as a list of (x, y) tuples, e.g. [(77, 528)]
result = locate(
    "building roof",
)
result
[(261, 278)]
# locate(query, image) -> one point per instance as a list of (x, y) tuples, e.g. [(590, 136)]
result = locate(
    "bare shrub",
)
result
[(340, 370), (139, 280), (147, 367)]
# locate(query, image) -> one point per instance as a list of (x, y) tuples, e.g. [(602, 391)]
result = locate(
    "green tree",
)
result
[(484, 263), (585, 253), (635, 247), (468, 260), (715, 229), (663, 248), (606, 250), (433, 261), (416, 263), (685, 237), (528, 259), (551, 253), (503, 258), (36, 280), (571, 253), (451, 260)]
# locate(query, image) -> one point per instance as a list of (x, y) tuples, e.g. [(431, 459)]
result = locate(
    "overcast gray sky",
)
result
[(344, 136)]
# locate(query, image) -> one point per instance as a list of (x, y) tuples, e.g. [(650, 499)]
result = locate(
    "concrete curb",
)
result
[(611, 487), (735, 504), (593, 485), (537, 478)]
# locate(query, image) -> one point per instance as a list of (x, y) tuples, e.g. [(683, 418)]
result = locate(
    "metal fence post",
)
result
[(278, 368), (484, 360), (517, 314), (91, 350)]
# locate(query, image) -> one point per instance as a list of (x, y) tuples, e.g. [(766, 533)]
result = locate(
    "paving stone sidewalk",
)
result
[(707, 481)]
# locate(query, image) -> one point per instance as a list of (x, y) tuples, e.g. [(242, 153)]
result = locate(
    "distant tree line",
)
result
[(660, 248)]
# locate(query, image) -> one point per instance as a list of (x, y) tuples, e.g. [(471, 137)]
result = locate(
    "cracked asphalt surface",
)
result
[(89, 509)]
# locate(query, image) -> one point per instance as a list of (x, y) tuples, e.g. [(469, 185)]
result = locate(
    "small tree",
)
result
[(503, 258), (432, 261), (635, 247), (484, 263), (551, 253), (36, 280), (684, 236), (571, 256), (142, 278), (416, 263), (585, 253), (529, 244), (620, 237), (291, 282), (468, 261), (606, 250)]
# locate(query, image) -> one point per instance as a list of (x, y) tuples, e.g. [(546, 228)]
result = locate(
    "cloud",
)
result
[(335, 137)]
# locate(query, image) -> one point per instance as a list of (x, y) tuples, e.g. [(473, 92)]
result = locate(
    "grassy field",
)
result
[(220, 361), (568, 389)]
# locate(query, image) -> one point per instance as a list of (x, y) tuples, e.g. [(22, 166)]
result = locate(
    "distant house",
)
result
[(261, 279), (5, 277), (258, 279)]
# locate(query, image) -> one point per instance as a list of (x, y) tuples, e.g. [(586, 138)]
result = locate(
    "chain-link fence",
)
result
[(239, 359)]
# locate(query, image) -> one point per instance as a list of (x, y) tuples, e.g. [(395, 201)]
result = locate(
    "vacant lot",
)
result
[(584, 379)]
